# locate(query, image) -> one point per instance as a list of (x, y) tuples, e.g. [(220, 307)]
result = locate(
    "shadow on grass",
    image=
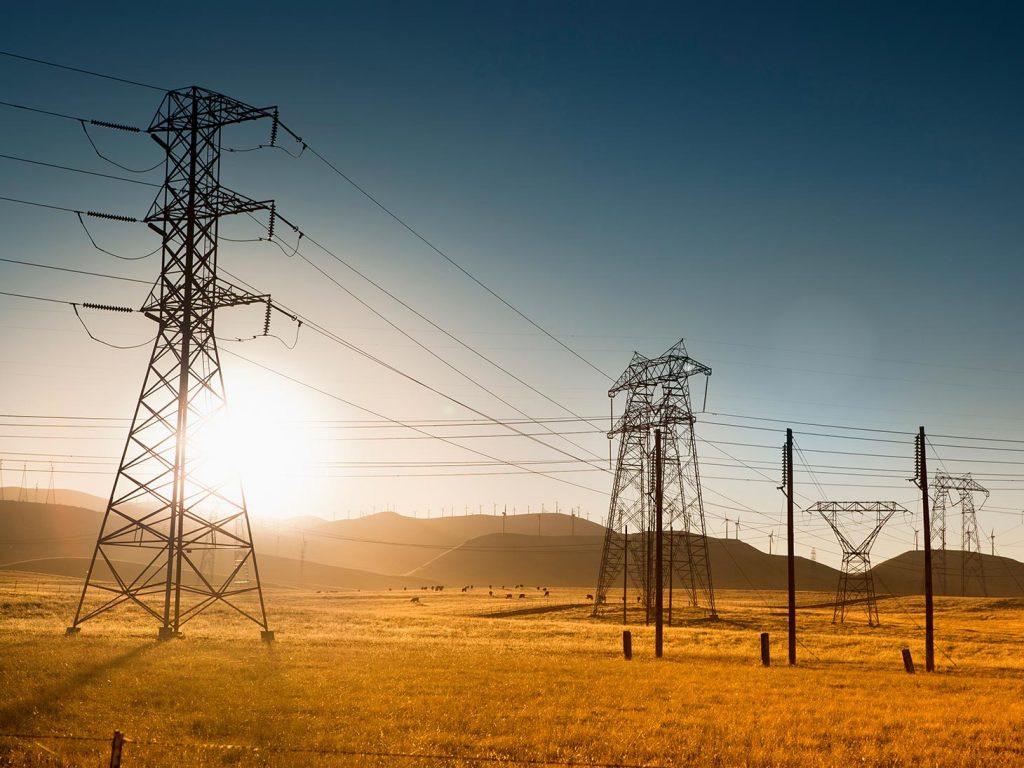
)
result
[(49, 701)]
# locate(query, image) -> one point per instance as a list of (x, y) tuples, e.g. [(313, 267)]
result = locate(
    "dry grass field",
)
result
[(463, 679)]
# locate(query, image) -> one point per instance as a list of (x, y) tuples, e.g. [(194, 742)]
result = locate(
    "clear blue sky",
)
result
[(825, 201)]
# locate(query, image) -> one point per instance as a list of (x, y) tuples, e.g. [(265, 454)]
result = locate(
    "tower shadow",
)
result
[(48, 701)]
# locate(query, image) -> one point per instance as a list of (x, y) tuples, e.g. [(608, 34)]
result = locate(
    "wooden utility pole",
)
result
[(791, 551), (659, 571), (672, 568), (929, 607), (625, 571)]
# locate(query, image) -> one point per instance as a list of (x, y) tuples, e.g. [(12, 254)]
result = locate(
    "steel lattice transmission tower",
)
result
[(970, 542), (177, 500), (657, 397), (855, 581)]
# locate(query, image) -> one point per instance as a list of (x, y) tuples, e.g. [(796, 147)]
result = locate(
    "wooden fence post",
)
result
[(908, 661), (115, 749), (627, 644), (766, 655)]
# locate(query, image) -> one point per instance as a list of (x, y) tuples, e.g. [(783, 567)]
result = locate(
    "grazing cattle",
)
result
[(522, 595), (415, 600), (546, 593), (490, 593), (508, 596), (465, 588), (590, 597)]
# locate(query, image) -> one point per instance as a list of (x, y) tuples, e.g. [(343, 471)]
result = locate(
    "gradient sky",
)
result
[(826, 203)]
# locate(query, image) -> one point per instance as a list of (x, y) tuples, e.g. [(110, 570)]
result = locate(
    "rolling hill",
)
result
[(389, 550)]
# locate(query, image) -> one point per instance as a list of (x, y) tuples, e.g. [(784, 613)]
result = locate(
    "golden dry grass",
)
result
[(374, 673)]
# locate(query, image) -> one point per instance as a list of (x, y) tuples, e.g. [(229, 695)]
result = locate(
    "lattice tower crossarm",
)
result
[(856, 583), (657, 397), (176, 499)]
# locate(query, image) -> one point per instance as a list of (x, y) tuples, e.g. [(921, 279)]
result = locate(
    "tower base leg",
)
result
[(166, 633), (72, 631), (267, 636)]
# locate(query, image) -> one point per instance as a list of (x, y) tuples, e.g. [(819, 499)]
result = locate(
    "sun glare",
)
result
[(261, 442)]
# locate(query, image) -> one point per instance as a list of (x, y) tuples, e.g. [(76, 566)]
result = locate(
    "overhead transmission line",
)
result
[(447, 333), (362, 190), (383, 208), (81, 71), (331, 336), (439, 357), (60, 167), (420, 315), (340, 286), (372, 412), (413, 231), (76, 271)]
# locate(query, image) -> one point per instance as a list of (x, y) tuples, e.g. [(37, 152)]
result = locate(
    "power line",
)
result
[(436, 355), (433, 324), (444, 255), (810, 423), (41, 205), (77, 271), (81, 71), (40, 111), (331, 336), (35, 298), (80, 170), (380, 415)]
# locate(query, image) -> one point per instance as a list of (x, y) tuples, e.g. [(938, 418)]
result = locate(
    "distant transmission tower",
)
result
[(855, 581), (23, 489), (970, 540), (657, 397), (176, 498)]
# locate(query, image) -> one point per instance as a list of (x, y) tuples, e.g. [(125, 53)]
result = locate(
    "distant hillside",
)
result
[(390, 550), (58, 539), (904, 574), (513, 558), (277, 570), (737, 565), (391, 543), (574, 561), (62, 496), (29, 531), (274, 571)]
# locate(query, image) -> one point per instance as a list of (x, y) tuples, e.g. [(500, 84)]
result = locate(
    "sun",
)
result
[(261, 440)]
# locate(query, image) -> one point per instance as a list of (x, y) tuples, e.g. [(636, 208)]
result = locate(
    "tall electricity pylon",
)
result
[(657, 397), (176, 498), (855, 581), (970, 541)]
